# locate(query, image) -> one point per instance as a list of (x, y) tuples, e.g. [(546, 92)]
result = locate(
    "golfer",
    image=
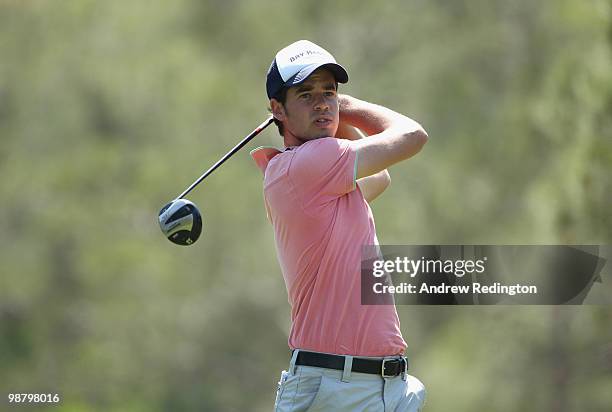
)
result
[(345, 356)]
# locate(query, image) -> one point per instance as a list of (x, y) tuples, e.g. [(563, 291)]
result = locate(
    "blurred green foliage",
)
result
[(109, 109)]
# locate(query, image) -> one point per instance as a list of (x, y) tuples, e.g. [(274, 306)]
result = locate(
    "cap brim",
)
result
[(338, 71)]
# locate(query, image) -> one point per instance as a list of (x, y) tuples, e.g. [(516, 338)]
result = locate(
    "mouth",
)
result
[(323, 121)]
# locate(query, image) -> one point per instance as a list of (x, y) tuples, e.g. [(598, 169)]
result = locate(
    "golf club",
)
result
[(180, 220)]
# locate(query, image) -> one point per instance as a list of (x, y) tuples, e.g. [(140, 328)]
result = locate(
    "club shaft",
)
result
[(229, 154)]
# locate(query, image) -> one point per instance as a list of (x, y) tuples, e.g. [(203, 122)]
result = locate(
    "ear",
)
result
[(278, 110)]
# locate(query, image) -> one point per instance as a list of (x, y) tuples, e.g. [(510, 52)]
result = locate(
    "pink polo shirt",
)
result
[(321, 221)]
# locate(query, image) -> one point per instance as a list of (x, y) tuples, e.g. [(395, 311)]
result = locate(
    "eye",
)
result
[(330, 94), (305, 96)]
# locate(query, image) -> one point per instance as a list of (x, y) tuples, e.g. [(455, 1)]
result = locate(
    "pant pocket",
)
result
[(414, 396), (296, 391), (307, 386)]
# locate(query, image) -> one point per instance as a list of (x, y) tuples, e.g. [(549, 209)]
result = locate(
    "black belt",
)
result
[(384, 367)]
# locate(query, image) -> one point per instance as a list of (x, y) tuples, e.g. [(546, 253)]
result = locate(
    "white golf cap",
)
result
[(293, 64)]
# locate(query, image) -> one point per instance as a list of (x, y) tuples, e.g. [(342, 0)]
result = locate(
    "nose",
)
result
[(321, 103)]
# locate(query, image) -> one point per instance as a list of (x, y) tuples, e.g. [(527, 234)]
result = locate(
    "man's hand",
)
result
[(372, 186)]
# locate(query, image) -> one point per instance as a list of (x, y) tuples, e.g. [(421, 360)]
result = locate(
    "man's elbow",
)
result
[(415, 140), (419, 138), (423, 137)]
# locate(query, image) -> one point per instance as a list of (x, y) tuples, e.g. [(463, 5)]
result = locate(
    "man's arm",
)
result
[(371, 186), (393, 136)]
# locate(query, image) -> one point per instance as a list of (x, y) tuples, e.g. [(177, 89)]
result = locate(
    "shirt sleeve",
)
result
[(324, 169)]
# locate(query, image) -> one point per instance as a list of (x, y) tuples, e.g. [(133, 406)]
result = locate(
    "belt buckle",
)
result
[(382, 371)]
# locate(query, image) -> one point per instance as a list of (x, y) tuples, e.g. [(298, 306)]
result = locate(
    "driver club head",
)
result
[(181, 222)]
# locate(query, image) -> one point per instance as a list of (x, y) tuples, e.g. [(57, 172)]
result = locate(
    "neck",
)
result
[(291, 140)]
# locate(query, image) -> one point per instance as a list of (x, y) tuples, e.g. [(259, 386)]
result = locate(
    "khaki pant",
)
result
[(307, 388)]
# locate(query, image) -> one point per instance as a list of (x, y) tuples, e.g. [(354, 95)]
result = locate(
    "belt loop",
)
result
[(405, 373), (293, 360), (348, 367)]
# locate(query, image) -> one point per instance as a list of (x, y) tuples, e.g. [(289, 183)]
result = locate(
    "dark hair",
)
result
[(281, 97)]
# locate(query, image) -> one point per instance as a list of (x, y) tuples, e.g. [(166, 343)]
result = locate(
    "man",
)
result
[(345, 356)]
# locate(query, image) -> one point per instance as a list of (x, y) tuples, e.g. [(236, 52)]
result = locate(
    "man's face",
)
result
[(311, 108)]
